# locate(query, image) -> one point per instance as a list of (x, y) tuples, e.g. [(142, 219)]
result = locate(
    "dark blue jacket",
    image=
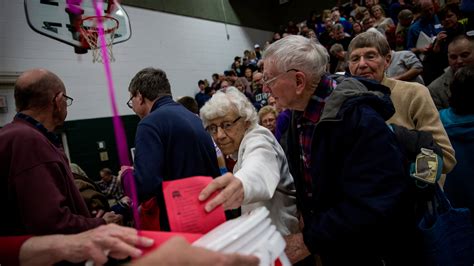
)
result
[(171, 143), (360, 212)]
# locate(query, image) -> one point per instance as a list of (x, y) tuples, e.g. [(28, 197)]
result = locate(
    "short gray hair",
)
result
[(223, 101), (370, 38), (336, 48), (298, 52), (151, 83)]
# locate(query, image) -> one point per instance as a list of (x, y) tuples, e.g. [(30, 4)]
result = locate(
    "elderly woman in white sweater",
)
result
[(261, 176)]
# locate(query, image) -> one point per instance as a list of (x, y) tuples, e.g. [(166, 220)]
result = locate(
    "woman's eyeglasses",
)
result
[(226, 125)]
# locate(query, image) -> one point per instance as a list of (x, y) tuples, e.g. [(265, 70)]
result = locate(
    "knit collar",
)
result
[(41, 128)]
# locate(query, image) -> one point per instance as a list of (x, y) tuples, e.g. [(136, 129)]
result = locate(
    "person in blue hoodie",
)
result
[(458, 120)]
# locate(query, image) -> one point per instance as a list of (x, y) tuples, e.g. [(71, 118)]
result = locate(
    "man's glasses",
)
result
[(67, 98), (266, 82), (212, 129), (129, 102)]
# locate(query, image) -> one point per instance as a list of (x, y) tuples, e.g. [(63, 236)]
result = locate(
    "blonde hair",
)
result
[(266, 110)]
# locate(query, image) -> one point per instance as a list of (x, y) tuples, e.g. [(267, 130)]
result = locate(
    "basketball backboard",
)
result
[(61, 19)]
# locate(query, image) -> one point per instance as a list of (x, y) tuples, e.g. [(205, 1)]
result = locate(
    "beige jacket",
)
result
[(414, 109)]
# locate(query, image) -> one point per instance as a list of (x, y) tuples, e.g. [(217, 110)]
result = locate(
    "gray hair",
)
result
[(151, 83), (224, 101), (370, 38), (405, 14), (336, 48), (298, 52)]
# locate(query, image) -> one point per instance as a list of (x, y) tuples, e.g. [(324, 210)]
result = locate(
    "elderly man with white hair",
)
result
[(261, 176), (353, 191)]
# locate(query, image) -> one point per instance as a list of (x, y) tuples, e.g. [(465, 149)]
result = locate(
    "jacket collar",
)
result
[(355, 90), (162, 100)]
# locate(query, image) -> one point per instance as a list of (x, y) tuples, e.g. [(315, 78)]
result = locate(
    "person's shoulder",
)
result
[(438, 82), (165, 110), (406, 53), (407, 86), (415, 26), (260, 131), (22, 132), (259, 136)]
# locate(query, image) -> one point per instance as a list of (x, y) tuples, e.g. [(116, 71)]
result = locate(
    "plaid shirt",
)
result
[(306, 123), (113, 189)]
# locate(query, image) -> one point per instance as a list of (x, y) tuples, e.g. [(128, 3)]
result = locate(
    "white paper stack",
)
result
[(250, 234)]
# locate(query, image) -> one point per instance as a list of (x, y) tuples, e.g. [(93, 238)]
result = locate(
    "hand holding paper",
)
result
[(185, 212), (231, 196)]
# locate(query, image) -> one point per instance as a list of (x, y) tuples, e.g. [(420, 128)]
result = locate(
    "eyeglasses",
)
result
[(129, 102), (212, 129), (370, 56), (266, 82), (67, 98)]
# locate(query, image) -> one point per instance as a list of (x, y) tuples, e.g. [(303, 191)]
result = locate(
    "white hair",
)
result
[(298, 52), (225, 101)]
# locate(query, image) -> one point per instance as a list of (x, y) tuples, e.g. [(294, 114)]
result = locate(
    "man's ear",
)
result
[(57, 101), (141, 99), (300, 79)]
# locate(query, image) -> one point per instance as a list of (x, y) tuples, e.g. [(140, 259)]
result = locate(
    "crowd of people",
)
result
[(299, 127)]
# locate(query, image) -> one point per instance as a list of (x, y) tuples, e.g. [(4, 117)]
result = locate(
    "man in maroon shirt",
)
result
[(37, 191)]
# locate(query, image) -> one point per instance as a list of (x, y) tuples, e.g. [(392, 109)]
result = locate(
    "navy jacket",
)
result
[(360, 212), (170, 143)]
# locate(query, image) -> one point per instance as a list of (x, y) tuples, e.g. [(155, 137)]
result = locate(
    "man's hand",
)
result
[(295, 249), (231, 195), (112, 217), (125, 200), (440, 38), (177, 251), (117, 241)]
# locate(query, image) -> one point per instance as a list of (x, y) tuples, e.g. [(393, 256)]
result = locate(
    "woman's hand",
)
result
[(231, 193)]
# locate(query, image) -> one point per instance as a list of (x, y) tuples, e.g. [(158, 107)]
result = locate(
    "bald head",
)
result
[(35, 89)]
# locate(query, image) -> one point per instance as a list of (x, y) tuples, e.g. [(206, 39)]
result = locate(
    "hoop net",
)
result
[(89, 29)]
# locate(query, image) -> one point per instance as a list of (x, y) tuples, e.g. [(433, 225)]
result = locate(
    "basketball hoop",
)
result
[(89, 29)]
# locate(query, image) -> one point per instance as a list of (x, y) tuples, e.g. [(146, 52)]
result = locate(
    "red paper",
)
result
[(161, 237), (185, 212)]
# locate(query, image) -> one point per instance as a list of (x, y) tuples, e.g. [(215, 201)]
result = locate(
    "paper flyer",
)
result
[(185, 212)]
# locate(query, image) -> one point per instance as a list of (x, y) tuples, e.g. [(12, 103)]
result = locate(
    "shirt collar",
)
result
[(323, 90), (41, 128)]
